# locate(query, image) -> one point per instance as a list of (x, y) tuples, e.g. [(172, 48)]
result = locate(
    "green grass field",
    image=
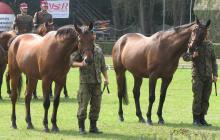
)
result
[(177, 114)]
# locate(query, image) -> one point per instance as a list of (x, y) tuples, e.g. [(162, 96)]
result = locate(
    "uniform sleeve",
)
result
[(51, 18), (75, 56), (187, 57), (103, 65), (214, 62)]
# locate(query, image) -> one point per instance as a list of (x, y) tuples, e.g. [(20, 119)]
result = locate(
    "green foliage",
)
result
[(177, 114)]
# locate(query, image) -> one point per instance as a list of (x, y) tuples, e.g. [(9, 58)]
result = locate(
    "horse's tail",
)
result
[(124, 92), (20, 85), (120, 69)]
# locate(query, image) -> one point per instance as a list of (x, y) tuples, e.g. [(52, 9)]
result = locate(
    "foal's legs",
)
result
[(8, 83), (14, 94), (58, 88), (121, 83), (65, 91), (31, 85), (163, 90), (46, 102), (2, 70), (136, 93), (152, 84)]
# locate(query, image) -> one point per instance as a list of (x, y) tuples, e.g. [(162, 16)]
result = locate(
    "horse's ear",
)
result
[(77, 29), (90, 26), (208, 23), (197, 21)]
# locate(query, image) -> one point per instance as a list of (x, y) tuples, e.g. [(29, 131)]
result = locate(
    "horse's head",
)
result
[(198, 34), (86, 42), (45, 28)]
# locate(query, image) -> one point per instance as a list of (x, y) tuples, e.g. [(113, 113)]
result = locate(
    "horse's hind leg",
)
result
[(163, 90), (152, 84), (31, 85), (58, 88), (46, 102), (121, 84), (136, 93), (14, 94)]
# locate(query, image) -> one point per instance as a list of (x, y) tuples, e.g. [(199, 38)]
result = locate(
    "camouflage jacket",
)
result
[(23, 23), (205, 63), (91, 73), (41, 17)]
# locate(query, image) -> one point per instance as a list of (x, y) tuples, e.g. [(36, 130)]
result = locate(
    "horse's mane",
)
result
[(181, 27), (67, 32)]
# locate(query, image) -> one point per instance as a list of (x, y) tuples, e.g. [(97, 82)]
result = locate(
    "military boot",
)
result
[(93, 127), (203, 121), (81, 124), (196, 120)]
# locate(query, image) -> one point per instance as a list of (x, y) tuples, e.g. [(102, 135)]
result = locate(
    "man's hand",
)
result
[(195, 54), (215, 79)]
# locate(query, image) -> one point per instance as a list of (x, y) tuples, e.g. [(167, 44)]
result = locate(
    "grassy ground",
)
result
[(177, 114)]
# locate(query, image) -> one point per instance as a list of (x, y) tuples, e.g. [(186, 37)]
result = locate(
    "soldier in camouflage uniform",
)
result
[(23, 22), (204, 72), (42, 16), (90, 87)]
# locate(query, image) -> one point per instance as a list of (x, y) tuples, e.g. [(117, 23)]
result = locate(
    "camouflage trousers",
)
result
[(202, 88), (89, 93)]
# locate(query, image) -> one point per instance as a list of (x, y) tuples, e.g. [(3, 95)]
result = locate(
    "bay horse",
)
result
[(4, 39), (46, 58), (152, 57)]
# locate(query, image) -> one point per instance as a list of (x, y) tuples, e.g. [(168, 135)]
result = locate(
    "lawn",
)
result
[(177, 114)]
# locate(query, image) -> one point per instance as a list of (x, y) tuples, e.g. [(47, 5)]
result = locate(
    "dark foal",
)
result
[(152, 57), (4, 39)]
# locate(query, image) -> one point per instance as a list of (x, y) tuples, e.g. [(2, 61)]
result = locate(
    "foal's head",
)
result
[(86, 42), (45, 28), (198, 34)]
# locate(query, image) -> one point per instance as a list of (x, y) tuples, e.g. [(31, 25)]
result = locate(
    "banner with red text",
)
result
[(58, 8)]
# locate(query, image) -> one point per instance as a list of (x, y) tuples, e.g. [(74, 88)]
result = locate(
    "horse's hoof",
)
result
[(14, 126), (30, 126), (66, 97), (46, 129), (149, 122), (55, 129), (161, 122), (121, 118), (141, 120)]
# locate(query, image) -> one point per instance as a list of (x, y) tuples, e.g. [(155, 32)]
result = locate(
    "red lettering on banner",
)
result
[(59, 6)]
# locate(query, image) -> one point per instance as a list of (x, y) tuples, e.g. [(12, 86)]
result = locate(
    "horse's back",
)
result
[(23, 53), (130, 52)]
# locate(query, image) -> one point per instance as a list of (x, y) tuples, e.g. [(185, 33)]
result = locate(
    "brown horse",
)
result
[(46, 58), (152, 57), (4, 39)]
